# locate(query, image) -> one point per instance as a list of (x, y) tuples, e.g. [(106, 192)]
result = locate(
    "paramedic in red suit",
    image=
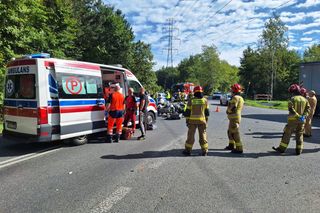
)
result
[(115, 108), (131, 109)]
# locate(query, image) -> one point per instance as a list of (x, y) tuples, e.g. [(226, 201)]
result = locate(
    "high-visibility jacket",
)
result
[(313, 104), (298, 106), (235, 107), (197, 111), (116, 101)]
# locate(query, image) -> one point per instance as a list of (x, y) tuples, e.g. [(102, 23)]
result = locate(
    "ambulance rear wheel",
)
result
[(79, 140), (150, 118)]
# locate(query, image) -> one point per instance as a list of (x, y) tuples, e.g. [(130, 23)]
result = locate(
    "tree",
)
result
[(312, 54), (141, 65), (272, 67)]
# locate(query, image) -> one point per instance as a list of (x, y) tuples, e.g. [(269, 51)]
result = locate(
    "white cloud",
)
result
[(312, 32), (306, 39), (231, 32), (308, 3)]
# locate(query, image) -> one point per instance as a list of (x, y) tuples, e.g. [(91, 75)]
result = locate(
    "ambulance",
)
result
[(48, 99)]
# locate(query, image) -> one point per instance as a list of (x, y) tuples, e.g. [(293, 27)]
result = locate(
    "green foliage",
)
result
[(85, 30), (271, 58), (312, 54), (205, 69), (142, 64)]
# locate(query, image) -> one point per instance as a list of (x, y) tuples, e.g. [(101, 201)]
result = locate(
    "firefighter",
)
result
[(115, 108), (303, 92), (234, 109), (131, 109), (299, 109), (313, 104), (168, 96), (197, 114)]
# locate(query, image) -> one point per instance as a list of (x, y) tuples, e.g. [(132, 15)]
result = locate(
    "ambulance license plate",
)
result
[(11, 125)]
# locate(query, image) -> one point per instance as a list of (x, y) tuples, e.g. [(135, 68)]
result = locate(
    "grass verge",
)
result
[(282, 105)]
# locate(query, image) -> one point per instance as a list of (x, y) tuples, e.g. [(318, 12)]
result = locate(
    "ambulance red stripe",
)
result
[(52, 110), (21, 62), (74, 65), (31, 113)]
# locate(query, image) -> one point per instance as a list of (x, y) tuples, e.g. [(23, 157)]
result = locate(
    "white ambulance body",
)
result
[(49, 99)]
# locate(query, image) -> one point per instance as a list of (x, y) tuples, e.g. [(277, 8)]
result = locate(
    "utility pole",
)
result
[(170, 37)]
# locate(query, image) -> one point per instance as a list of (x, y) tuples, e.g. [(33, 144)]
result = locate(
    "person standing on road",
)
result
[(313, 104), (131, 109), (299, 109), (115, 108), (234, 109), (197, 114), (144, 101)]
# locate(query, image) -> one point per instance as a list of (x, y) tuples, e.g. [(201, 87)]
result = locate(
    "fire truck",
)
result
[(184, 88)]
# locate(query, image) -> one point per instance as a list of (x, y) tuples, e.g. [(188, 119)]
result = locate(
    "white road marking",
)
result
[(115, 197), (22, 158)]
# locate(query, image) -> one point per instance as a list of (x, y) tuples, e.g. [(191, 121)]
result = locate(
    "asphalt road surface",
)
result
[(153, 175)]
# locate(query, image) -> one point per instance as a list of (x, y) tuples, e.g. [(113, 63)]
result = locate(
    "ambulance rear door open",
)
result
[(114, 76)]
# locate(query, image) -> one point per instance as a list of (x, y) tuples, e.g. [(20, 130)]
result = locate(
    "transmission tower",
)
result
[(170, 37)]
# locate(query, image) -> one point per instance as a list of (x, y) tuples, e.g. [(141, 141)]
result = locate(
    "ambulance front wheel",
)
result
[(151, 118), (79, 140)]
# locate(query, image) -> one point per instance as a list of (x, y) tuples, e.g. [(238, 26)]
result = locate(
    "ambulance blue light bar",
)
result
[(38, 55)]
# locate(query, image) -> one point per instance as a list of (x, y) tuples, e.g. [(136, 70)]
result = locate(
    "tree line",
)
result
[(271, 67), (205, 69), (90, 30), (86, 30)]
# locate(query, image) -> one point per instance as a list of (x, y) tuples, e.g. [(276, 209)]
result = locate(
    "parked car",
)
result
[(216, 95), (225, 98)]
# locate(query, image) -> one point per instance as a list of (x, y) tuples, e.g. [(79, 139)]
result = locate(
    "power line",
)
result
[(249, 20), (210, 17), (170, 36)]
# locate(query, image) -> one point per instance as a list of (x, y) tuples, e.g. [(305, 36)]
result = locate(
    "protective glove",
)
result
[(302, 118)]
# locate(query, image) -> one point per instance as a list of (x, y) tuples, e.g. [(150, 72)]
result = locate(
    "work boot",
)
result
[(277, 149), (108, 139), (142, 137), (186, 152), (116, 138), (234, 151), (229, 147), (204, 153), (298, 151)]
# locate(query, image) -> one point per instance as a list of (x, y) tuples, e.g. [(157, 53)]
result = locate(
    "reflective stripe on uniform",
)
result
[(189, 146), (204, 146), (198, 101), (284, 145), (232, 142), (300, 146), (239, 144)]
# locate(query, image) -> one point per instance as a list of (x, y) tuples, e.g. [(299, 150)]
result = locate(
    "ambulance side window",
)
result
[(135, 85), (79, 86)]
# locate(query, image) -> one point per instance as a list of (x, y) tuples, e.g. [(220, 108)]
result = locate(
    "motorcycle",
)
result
[(171, 111)]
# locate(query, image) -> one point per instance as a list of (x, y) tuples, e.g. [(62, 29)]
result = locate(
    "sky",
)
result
[(230, 25)]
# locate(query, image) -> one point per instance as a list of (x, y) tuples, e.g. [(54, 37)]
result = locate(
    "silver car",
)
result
[(225, 98)]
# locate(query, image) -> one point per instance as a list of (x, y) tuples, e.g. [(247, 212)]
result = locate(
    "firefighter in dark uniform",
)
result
[(299, 109), (234, 115), (197, 114)]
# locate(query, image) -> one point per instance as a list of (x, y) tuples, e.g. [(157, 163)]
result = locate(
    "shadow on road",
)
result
[(8, 149), (280, 118), (195, 153), (265, 135)]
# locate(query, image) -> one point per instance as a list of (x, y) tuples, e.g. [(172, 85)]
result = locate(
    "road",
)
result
[(153, 175)]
